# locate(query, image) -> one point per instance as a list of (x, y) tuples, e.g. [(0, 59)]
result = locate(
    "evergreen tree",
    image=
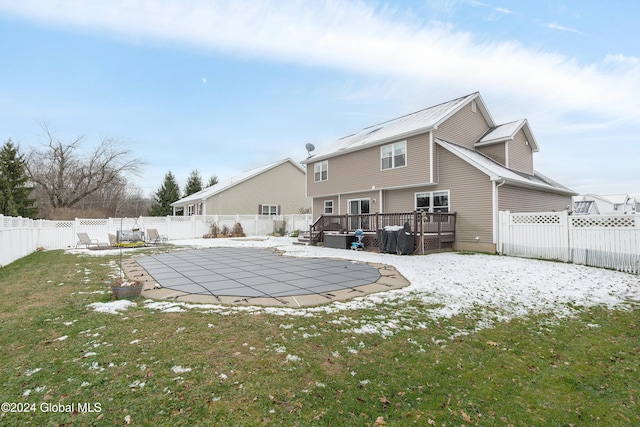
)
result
[(168, 193), (194, 183), (212, 181), (14, 188)]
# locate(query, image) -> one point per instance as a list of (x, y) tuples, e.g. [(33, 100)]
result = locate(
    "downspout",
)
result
[(431, 174), (496, 217)]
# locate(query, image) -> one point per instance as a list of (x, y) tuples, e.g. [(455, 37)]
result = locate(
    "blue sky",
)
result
[(225, 86)]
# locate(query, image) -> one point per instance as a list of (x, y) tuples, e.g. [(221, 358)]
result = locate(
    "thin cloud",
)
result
[(554, 26), (361, 38), (503, 10)]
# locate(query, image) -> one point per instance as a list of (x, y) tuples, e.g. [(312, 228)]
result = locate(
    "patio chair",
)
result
[(90, 243), (153, 237)]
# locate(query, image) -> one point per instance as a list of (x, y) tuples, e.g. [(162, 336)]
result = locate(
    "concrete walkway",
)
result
[(257, 276)]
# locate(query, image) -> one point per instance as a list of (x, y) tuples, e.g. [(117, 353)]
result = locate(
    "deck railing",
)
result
[(428, 227)]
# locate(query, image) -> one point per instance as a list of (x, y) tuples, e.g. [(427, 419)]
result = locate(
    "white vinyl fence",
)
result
[(21, 236), (608, 241)]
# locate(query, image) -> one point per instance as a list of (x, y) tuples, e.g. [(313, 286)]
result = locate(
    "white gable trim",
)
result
[(524, 125)]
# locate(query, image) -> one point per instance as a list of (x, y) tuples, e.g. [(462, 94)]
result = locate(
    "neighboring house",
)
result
[(593, 204), (451, 157), (274, 189)]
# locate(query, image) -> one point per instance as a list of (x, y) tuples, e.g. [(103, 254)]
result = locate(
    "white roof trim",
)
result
[(497, 172), (507, 132), (401, 127)]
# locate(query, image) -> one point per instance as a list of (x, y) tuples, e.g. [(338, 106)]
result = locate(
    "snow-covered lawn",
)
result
[(455, 283)]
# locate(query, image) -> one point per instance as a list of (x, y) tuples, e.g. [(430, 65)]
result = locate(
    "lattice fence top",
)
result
[(588, 221), (93, 221), (536, 218), (61, 224)]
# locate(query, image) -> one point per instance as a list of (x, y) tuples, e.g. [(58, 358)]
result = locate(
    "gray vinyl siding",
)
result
[(402, 200), (371, 195), (471, 194), (520, 154), (283, 185), (495, 151), (361, 170), (318, 206), (519, 199), (463, 128)]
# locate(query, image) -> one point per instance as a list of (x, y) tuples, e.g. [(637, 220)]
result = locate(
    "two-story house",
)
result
[(451, 157)]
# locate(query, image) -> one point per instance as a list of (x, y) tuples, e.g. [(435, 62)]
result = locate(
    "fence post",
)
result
[(503, 231), (565, 218)]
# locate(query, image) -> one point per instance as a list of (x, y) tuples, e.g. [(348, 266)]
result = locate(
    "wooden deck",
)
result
[(432, 232)]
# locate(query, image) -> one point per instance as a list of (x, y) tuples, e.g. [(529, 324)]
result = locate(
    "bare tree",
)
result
[(64, 177)]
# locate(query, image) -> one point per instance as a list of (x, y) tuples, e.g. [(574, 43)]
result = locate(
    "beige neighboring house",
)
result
[(609, 204), (451, 157), (274, 189)]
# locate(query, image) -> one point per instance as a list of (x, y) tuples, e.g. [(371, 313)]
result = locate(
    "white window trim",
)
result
[(431, 197), (324, 210), (393, 145), (359, 200), (324, 163), (269, 210)]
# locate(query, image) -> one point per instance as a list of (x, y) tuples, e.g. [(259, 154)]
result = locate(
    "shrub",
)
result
[(237, 230), (214, 231)]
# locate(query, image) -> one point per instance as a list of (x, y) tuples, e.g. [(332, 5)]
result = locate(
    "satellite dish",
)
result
[(310, 147)]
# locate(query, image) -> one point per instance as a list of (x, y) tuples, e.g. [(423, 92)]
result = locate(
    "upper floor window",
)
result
[(433, 201), (393, 155), (321, 171)]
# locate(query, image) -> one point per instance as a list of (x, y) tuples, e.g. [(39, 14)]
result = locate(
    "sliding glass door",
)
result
[(358, 208)]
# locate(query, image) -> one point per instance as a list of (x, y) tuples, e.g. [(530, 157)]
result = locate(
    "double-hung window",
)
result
[(321, 171), (269, 209), (433, 201), (393, 155), (328, 206)]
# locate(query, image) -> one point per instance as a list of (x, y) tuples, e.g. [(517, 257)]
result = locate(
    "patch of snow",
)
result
[(177, 369), (113, 307), (292, 358), (32, 371)]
